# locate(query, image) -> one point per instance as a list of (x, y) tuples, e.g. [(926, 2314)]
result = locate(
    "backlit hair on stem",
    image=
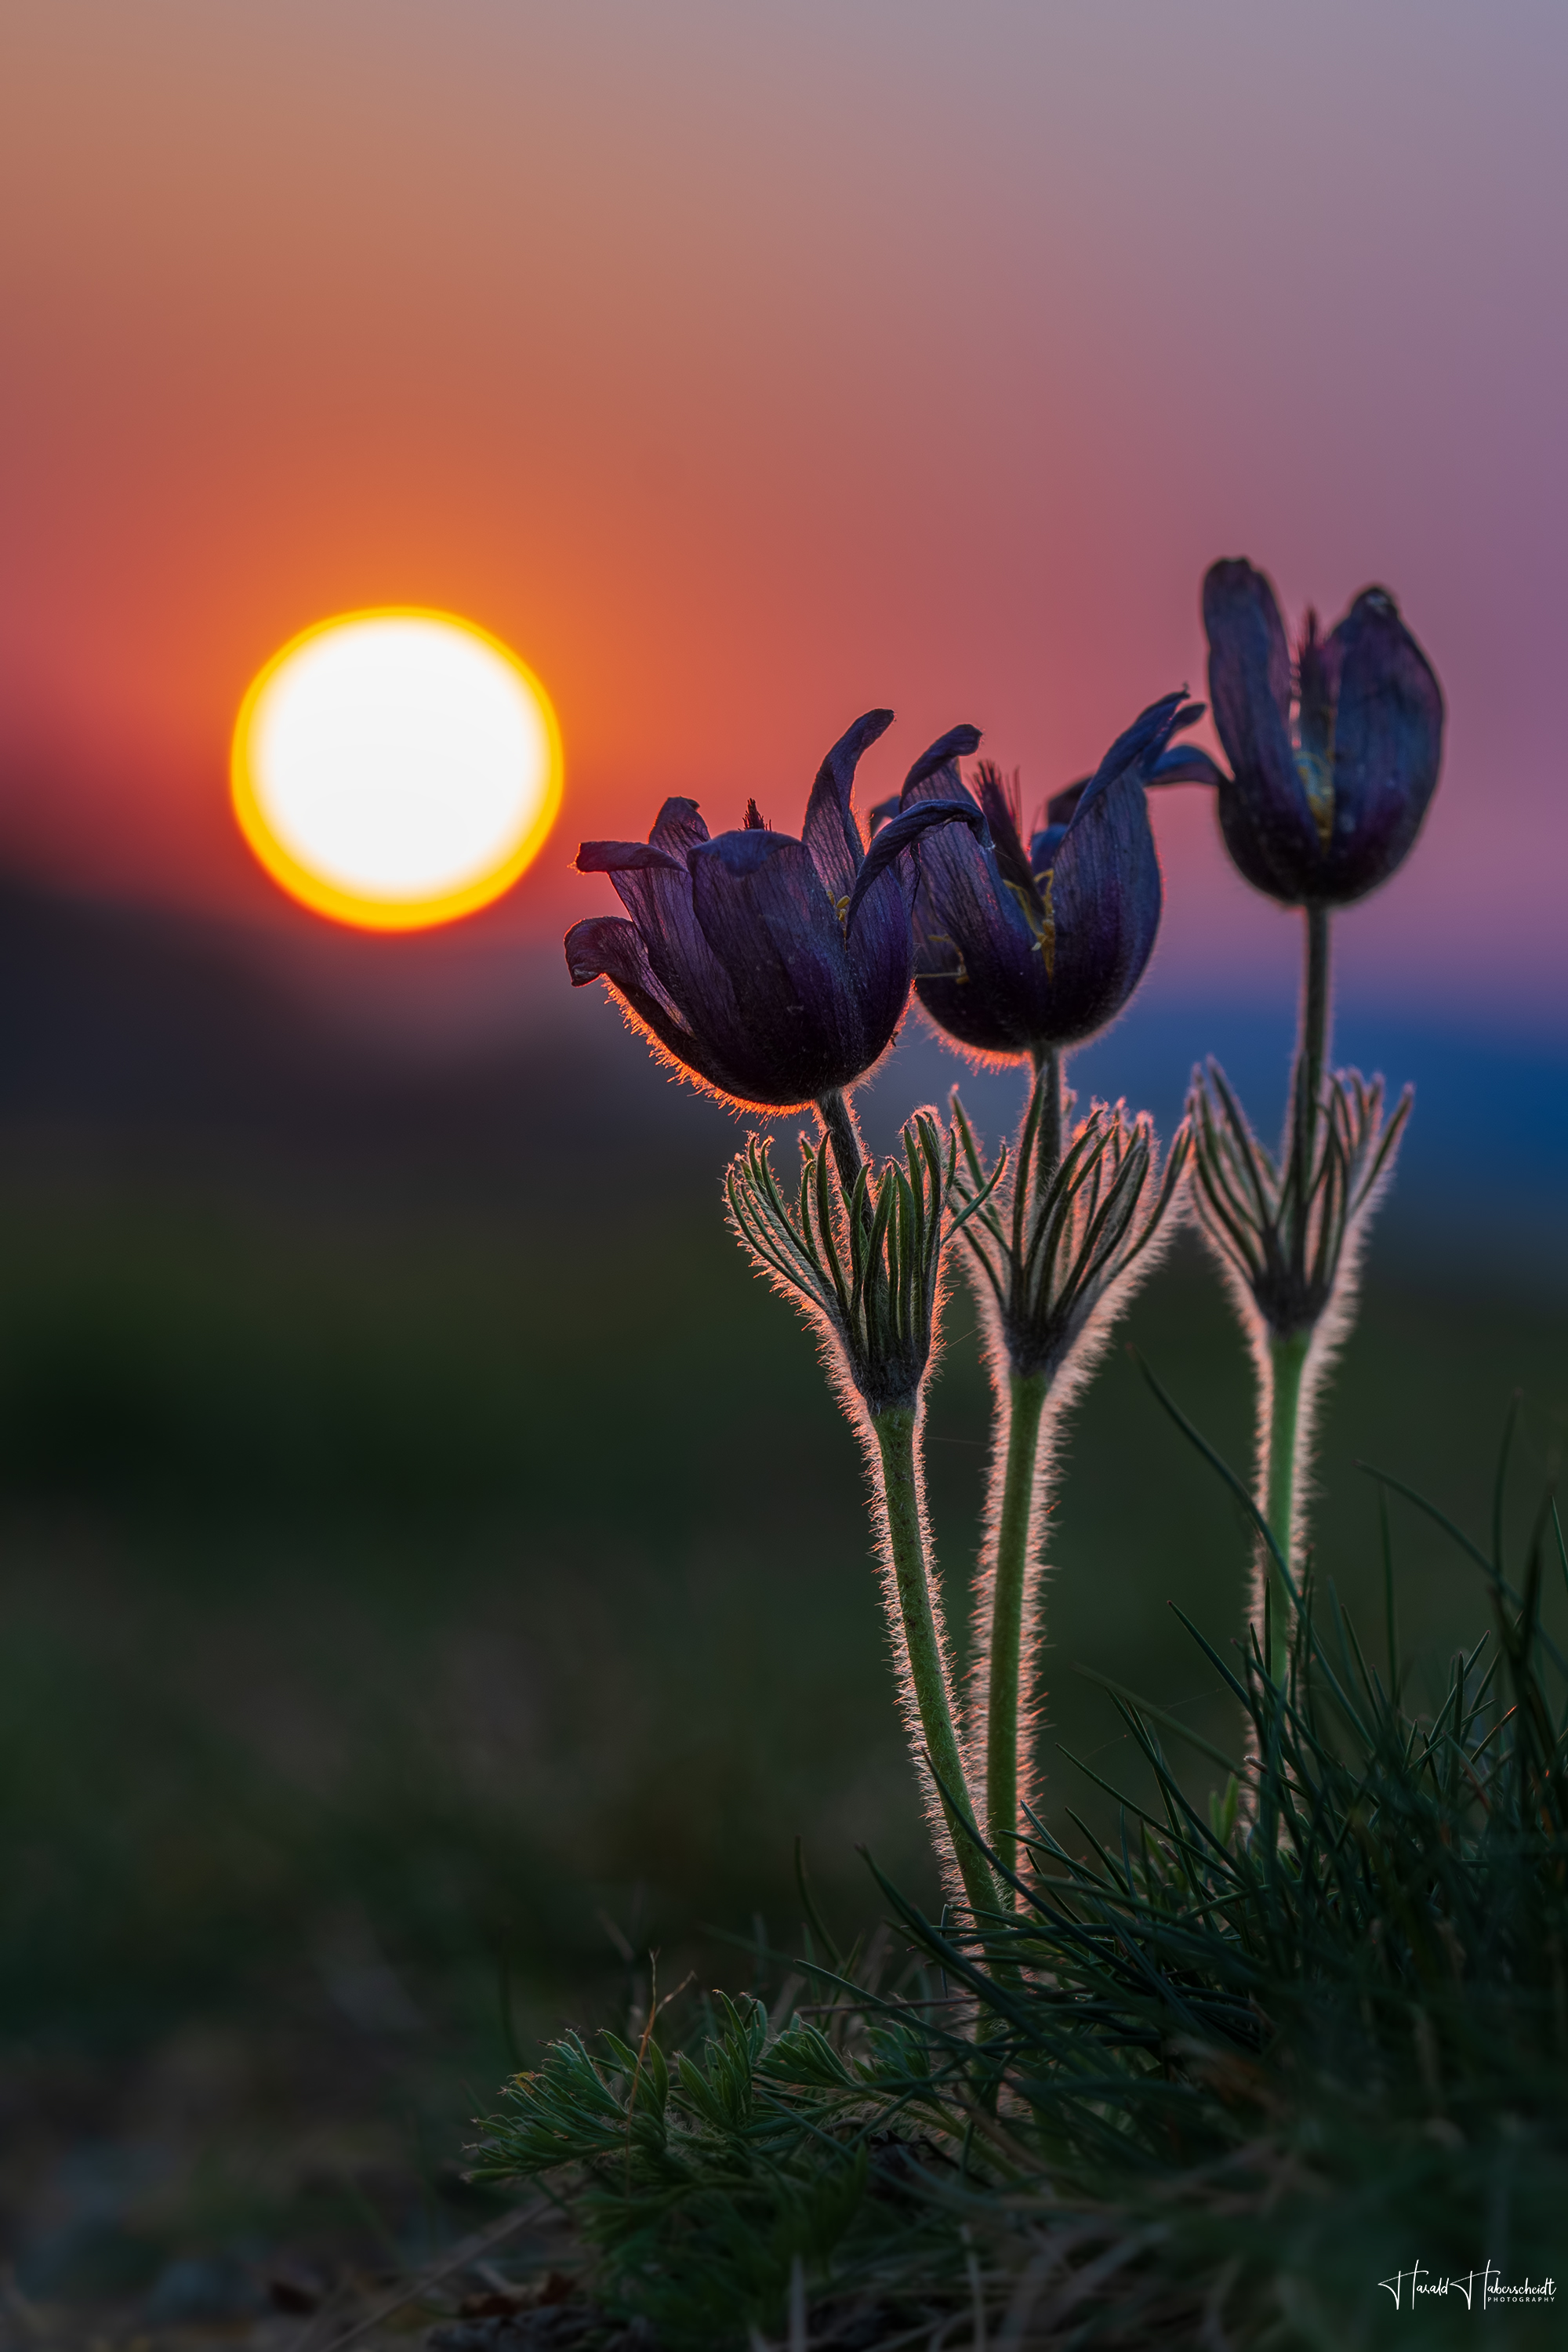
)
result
[(864, 1264)]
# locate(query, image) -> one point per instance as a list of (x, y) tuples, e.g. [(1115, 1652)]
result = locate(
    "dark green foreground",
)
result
[(369, 1685), (1218, 2079)]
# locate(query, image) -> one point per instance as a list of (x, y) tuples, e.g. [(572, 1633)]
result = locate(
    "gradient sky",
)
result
[(746, 366)]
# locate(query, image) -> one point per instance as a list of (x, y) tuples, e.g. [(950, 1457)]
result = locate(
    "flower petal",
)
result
[(655, 889), (904, 830), (1185, 764), (1388, 746), (877, 919), (980, 973), (677, 828), (1137, 747), (1182, 764), (1060, 811), (830, 831), (878, 925), (623, 857), (1264, 813), (934, 776), (764, 914), (1106, 897), (606, 947)]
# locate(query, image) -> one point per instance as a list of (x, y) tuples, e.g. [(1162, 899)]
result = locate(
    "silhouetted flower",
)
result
[(775, 970), (1334, 759), (1019, 950)]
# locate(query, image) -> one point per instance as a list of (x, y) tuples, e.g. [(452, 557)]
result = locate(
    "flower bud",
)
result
[(1334, 758)]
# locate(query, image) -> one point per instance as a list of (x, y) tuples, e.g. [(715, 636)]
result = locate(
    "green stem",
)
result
[(1288, 1363), (895, 1431), (837, 1123), (1026, 1393), (1288, 1350), (1312, 1052), (1315, 994), (1026, 1403), (1050, 1067)]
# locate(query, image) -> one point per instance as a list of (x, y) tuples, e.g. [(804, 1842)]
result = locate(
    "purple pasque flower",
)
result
[(1334, 757), (1026, 950), (774, 970)]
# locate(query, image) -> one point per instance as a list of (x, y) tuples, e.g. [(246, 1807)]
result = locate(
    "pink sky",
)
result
[(747, 366)]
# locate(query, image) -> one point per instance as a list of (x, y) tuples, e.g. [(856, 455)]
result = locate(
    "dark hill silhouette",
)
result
[(136, 1030), (151, 1031)]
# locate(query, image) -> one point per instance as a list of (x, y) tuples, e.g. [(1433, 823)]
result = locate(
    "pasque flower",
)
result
[(863, 1260), (1335, 757), (774, 968), (1023, 952), (1020, 951), (777, 970)]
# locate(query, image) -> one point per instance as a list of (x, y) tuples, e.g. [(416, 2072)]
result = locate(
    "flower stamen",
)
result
[(1040, 916), (959, 973)]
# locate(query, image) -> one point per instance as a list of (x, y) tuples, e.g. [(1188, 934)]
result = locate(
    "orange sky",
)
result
[(744, 366)]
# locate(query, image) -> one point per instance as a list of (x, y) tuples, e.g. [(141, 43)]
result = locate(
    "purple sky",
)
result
[(746, 366)]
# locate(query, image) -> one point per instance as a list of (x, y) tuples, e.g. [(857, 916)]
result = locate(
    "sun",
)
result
[(395, 768)]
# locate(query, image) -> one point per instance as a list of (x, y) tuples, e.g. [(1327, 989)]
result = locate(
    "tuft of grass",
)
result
[(1223, 2072)]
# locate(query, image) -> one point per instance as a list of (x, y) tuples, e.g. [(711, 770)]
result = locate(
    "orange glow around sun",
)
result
[(397, 768)]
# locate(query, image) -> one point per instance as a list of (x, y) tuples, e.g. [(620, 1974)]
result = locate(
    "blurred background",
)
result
[(432, 1572)]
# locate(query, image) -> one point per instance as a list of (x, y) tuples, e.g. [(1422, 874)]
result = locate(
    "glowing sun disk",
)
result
[(395, 768)]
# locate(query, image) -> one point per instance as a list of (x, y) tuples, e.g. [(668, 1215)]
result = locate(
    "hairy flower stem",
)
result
[(1049, 1066), (1016, 1522), (895, 1433), (1315, 994), (1288, 1400), (1286, 1364), (1307, 1078), (837, 1123), (1015, 1530)]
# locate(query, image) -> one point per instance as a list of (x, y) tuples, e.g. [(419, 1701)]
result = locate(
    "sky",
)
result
[(747, 365)]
